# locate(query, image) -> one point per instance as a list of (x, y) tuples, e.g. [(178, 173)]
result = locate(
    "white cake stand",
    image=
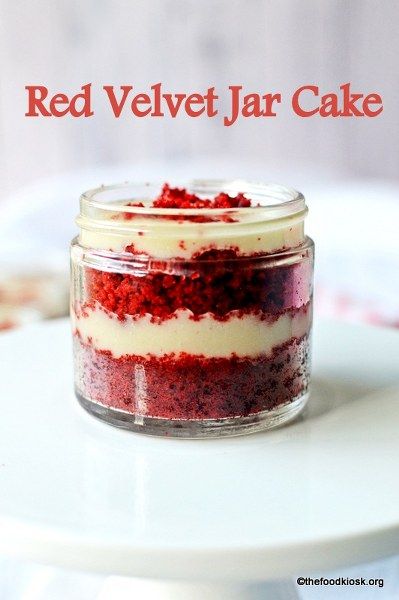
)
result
[(315, 495)]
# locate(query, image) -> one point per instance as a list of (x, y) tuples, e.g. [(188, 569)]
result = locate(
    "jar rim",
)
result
[(274, 201)]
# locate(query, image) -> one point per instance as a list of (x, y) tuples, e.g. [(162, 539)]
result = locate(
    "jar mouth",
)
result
[(274, 221), (270, 201), (107, 260)]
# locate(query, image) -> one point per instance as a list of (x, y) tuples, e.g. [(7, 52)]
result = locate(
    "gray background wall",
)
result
[(266, 45)]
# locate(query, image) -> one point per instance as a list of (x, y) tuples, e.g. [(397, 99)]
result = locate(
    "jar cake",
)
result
[(192, 307)]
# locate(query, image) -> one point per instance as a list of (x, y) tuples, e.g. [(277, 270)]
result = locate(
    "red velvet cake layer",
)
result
[(189, 387), (216, 288)]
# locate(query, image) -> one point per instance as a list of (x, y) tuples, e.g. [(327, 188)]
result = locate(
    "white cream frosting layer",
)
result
[(166, 239), (246, 336)]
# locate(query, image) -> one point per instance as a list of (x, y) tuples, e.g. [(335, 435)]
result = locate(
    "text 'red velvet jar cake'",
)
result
[(192, 307)]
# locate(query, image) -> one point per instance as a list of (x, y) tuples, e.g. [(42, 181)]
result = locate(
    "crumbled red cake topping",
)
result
[(181, 198)]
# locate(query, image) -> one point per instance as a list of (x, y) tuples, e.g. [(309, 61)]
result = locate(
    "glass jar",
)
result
[(192, 322)]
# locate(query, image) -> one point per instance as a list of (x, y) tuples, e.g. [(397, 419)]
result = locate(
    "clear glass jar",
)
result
[(192, 322)]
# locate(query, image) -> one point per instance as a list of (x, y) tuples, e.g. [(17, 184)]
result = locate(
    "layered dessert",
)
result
[(191, 309)]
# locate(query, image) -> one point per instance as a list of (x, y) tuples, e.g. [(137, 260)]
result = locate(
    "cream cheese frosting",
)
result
[(167, 239), (243, 335)]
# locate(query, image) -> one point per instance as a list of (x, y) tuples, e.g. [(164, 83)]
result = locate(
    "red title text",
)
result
[(234, 104)]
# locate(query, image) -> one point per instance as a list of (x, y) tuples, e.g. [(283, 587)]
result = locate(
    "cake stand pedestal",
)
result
[(318, 494), (126, 589)]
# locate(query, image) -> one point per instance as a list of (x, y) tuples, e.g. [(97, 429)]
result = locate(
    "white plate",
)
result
[(318, 494)]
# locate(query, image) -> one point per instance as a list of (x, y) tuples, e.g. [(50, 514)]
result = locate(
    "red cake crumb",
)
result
[(216, 287), (5, 325), (128, 215), (181, 198), (189, 387)]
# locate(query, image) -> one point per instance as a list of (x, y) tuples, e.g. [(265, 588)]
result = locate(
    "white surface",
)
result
[(314, 495), (121, 588), (22, 581)]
